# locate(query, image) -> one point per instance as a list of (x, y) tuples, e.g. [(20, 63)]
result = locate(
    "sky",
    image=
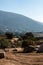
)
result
[(30, 8)]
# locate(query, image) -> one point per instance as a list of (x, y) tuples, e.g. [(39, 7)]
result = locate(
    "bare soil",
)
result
[(22, 59)]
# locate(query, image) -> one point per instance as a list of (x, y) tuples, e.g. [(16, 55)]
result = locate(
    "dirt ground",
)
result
[(22, 59)]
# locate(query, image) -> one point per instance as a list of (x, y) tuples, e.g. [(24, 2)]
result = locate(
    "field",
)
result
[(22, 59)]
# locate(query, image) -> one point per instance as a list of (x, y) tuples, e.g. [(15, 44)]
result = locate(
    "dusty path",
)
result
[(22, 59)]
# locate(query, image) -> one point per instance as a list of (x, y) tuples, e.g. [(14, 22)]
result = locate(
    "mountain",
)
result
[(16, 22)]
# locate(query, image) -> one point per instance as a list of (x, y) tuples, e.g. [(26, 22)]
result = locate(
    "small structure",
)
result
[(2, 54), (40, 50), (36, 47)]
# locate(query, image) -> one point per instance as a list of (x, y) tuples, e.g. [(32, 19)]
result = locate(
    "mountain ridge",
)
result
[(18, 22)]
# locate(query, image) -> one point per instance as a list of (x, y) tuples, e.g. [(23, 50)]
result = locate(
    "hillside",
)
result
[(16, 22)]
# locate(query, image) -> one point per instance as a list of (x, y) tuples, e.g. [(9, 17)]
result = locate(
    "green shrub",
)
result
[(4, 43), (24, 44)]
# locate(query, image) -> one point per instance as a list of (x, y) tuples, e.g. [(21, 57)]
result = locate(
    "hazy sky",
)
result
[(29, 8)]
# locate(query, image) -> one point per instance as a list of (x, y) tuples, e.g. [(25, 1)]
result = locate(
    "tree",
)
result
[(28, 35), (27, 47), (24, 44), (9, 35)]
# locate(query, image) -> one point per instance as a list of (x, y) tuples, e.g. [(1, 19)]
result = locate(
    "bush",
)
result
[(4, 43)]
